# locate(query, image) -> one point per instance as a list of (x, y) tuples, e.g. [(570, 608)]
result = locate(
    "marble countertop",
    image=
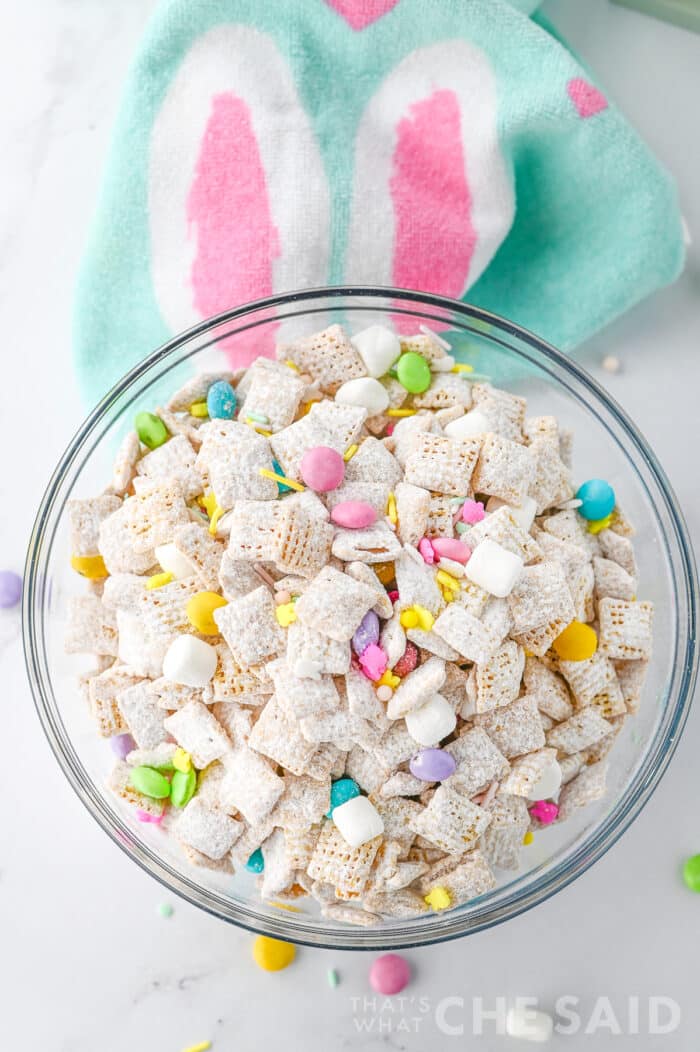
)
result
[(87, 962)]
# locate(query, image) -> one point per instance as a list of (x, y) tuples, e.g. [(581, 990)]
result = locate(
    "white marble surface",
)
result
[(86, 962)]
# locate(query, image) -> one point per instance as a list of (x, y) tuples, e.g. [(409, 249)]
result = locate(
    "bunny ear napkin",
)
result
[(451, 148)]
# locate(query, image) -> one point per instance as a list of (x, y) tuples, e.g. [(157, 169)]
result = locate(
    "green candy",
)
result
[(691, 873), (182, 787), (151, 430), (413, 372), (150, 782)]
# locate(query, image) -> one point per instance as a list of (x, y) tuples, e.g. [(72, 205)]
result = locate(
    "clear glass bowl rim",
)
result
[(444, 926)]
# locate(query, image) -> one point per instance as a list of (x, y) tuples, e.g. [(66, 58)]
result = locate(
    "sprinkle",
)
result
[(281, 479), (182, 761), (391, 509), (528, 838), (462, 367), (285, 906), (438, 898), (596, 525), (333, 979), (388, 679), (199, 409), (264, 575), (201, 1047), (434, 336), (401, 412), (259, 418), (480, 378), (569, 505), (259, 430), (292, 365), (208, 502), (214, 520), (159, 580), (461, 527), (165, 909), (285, 614), (350, 452)]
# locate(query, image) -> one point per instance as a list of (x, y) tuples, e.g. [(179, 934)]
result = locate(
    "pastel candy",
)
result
[(450, 548), (432, 765), (366, 633), (598, 498), (10, 588), (364, 392), (122, 745), (341, 791), (221, 401), (353, 514), (322, 469), (472, 511), (373, 661), (389, 974), (151, 430)]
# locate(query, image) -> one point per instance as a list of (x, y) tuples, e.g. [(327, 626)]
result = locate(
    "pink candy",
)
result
[(449, 548), (322, 469), (389, 974), (544, 812), (354, 514), (393, 595), (427, 550), (373, 662), (144, 816), (472, 511)]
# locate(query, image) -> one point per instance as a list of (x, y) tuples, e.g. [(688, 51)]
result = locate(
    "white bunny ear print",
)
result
[(232, 158), (432, 197)]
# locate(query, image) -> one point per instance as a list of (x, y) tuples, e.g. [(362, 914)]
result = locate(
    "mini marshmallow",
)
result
[(190, 661), (529, 1024), (548, 784), (524, 514), (493, 568), (432, 722), (378, 348), (173, 561), (473, 423), (364, 392), (358, 821)]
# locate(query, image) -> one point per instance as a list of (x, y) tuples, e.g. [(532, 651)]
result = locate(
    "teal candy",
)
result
[(341, 791), (596, 227), (598, 498), (256, 862), (221, 401), (276, 467)]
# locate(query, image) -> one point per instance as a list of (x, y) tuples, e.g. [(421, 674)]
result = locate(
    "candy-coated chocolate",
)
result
[(577, 642), (10, 589), (150, 782), (221, 401), (413, 372), (122, 745), (691, 873), (353, 514), (272, 955), (200, 610), (182, 787), (256, 862), (597, 497), (432, 765), (366, 633), (389, 974), (322, 469)]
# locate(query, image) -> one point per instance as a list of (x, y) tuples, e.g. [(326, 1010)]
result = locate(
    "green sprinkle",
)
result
[(461, 527), (333, 979), (165, 909), (259, 418), (151, 430), (150, 782), (182, 787)]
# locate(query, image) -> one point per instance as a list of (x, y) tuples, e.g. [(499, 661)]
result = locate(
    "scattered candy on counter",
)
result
[(333, 978), (272, 955), (389, 974), (203, 1046), (529, 1024), (691, 873), (10, 589), (165, 909)]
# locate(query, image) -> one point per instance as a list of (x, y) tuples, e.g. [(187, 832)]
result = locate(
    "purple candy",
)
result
[(432, 765), (122, 744), (367, 633), (10, 588)]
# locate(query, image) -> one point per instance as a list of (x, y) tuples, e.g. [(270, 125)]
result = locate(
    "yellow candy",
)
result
[(596, 525), (448, 580), (385, 572), (292, 365), (159, 580), (214, 520), (388, 679), (285, 614), (199, 409), (391, 509), (272, 955), (350, 452), (409, 619), (577, 642), (182, 761), (90, 566), (425, 618), (200, 609), (208, 502), (438, 898), (528, 838), (462, 367)]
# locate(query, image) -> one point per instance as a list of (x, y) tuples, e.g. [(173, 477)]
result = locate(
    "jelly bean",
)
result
[(151, 430), (438, 898), (10, 589), (122, 745), (256, 862), (182, 787), (200, 612), (221, 401), (389, 974), (577, 642), (159, 580), (408, 661), (341, 791), (451, 548), (150, 782), (545, 813), (373, 661), (90, 566), (598, 499), (272, 955), (427, 550), (366, 633), (691, 873), (322, 469), (353, 514), (413, 372), (472, 512), (432, 765)]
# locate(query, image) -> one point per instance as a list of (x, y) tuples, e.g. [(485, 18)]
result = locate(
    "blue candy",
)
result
[(341, 791), (598, 498), (256, 862), (366, 633), (221, 401)]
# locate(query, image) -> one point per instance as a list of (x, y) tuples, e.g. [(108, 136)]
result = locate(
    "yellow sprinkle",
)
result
[(285, 906), (528, 838), (260, 430), (286, 614), (596, 525), (306, 408), (214, 520), (391, 509), (159, 580), (425, 618), (90, 566), (388, 679), (282, 478), (292, 365), (409, 619), (448, 580), (462, 367), (182, 761), (201, 1047), (401, 412), (208, 502), (199, 409), (438, 898), (448, 595), (350, 453)]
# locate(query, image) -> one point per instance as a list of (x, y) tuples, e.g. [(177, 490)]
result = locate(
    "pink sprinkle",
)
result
[(390, 428), (544, 812), (144, 816), (472, 511), (373, 662), (451, 548), (393, 595), (426, 550)]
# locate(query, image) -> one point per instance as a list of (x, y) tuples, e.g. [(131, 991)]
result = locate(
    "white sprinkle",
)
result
[(569, 504), (434, 336), (611, 364)]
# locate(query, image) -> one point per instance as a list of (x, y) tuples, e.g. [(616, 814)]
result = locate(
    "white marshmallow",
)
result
[(529, 1024), (493, 568), (189, 661), (548, 784), (524, 514), (173, 561), (432, 722), (364, 392), (378, 348), (473, 423), (358, 821)]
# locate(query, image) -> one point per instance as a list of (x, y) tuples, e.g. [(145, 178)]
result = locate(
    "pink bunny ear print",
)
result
[(225, 186), (432, 197), (361, 13)]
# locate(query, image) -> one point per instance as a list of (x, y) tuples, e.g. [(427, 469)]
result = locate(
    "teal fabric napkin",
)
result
[(457, 148)]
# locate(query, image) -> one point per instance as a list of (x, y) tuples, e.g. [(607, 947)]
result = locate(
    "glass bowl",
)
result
[(606, 445)]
